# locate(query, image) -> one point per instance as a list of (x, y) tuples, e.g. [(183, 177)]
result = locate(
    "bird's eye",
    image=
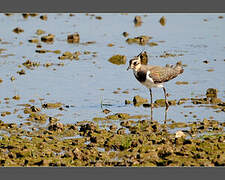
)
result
[(135, 63)]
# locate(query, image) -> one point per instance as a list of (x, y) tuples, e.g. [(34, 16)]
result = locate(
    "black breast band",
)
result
[(141, 76)]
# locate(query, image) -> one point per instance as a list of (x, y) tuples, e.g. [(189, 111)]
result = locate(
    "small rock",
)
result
[(106, 111), (21, 72), (125, 34), (153, 44), (17, 97), (44, 17), (25, 15), (39, 32), (18, 30), (53, 120), (121, 131), (48, 38), (137, 20), (113, 127), (73, 38), (51, 105), (180, 134), (181, 82), (98, 17), (127, 101), (211, 93), (215, 101), (33, 40), (206, 61), (118, 59), (139, 100), (162, 21)]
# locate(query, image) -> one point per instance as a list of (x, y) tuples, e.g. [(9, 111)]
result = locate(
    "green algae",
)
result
[(118, 59)]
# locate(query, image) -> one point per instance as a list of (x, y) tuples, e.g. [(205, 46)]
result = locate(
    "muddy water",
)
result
[(84, 85)]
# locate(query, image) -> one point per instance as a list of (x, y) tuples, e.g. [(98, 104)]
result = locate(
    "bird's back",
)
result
[(161, 74)]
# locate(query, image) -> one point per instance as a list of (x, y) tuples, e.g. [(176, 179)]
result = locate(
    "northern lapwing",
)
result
[(153, 76)]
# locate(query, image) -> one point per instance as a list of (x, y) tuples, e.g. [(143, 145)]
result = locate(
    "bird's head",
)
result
[(135, 63)]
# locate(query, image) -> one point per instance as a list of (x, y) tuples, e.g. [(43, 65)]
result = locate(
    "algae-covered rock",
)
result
[(142, 40), (17, 97), (18, 30), (34, 40), (162, 21), (21, 72), (127, 101), (73, 38), (48, 39), (40, 32), (211, 93), (181, 82), (122, 115), (137, 21), (215, 100), (125, 34), (153, 44), (160, 102), (69, 55), (139, 100), (44, 17), (118, 59), (51, 105), (180, 134)]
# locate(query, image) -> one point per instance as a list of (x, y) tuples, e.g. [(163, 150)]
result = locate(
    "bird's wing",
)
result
[(162, 74)]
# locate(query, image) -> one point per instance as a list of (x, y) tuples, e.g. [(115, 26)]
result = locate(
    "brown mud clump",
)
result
[(30, 65), (141, 40), (166, 55), (40, 32), (162, 21), (125, 34), (73, 38), (118, 59), (33, 40), (21, 72), (51, 105), (48, 39), (162, 102), (1, 80), (137, 21), (181, 82), (18, 30), (44, 17), (17, 97), (138, 100), (211, 93), (69, 55), (153, 44), (98, 17)]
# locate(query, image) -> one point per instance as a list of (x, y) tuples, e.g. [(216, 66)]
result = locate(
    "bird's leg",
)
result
[(166, 110), (151, 97), (151, 104), (166, 101)]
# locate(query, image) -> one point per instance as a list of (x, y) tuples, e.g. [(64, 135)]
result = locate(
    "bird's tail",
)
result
[(179, 67)]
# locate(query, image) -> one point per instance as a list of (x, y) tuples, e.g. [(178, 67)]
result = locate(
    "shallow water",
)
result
[(78, 82)]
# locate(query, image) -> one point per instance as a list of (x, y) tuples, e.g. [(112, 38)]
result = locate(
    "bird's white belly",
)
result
[(150, 84)]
